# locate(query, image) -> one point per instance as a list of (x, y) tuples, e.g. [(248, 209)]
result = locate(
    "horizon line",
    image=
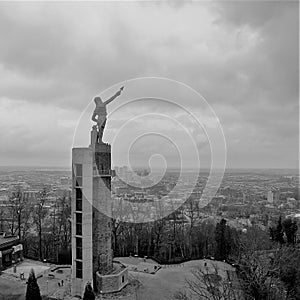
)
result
[(154, 168)]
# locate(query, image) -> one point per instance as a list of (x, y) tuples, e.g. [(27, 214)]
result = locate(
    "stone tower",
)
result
[(102, 251), (92, 257)]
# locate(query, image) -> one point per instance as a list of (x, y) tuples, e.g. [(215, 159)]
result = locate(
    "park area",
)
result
[(167, 281), (172, 278), (24, 268), (162, 285), (53, 280)]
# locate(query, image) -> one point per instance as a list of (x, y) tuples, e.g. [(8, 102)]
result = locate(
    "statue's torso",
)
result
[(101, 109)]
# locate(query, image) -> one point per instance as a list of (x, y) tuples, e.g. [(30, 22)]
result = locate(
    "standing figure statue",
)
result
[(100, 113)]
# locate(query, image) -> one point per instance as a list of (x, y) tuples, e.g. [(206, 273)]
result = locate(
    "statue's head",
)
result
[(97, 100)]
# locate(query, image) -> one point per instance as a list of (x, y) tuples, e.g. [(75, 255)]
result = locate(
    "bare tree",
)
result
[(17, 214), (191, 211), (13, 208), (39, 216), (258, 272), (210, 283)]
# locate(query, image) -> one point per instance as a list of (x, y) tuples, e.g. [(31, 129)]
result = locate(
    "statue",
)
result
[(100, 113)]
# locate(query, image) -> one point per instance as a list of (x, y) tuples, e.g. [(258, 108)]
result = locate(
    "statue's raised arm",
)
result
[(118, 93)]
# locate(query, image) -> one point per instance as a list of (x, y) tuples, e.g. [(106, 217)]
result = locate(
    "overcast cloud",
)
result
[(241, 56)]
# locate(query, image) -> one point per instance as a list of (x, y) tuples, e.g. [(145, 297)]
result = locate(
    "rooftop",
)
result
[(7, 239)]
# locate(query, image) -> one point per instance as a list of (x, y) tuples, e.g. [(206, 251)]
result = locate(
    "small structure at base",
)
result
[(11, 251), (113, 282)]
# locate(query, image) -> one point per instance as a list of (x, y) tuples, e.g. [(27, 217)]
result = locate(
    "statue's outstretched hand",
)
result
[(119, 91)]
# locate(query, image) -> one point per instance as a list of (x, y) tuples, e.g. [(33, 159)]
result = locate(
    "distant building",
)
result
[(122, 190), (11, 250), (291, 202), (244, 198), (64, 180), (270, 198), (276, 196), (296, 180), (30, 195), (3, 200)]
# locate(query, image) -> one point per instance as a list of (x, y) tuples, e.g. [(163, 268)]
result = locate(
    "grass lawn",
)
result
[(11, 290), (167, 281)]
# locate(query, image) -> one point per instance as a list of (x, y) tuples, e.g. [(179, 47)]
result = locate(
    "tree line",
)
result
[(267, 265), (44, 232)]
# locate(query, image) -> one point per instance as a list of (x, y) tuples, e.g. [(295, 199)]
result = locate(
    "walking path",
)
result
[(52, 280)]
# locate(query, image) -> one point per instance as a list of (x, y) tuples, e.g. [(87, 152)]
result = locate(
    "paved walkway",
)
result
[(25, 268), (161, 285), (12, 287)]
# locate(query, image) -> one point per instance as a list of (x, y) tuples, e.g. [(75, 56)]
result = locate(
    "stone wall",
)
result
[(102, 252), (112, 283), (102, 249)]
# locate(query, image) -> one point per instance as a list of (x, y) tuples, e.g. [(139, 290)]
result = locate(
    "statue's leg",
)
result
[(100, 134), (101, 126)]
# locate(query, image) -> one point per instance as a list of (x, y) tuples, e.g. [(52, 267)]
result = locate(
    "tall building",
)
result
[(276, 195), (92, 256), (270, 197), (244, 197)]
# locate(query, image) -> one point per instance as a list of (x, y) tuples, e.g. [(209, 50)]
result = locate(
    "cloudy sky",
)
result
[(242, 57)]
